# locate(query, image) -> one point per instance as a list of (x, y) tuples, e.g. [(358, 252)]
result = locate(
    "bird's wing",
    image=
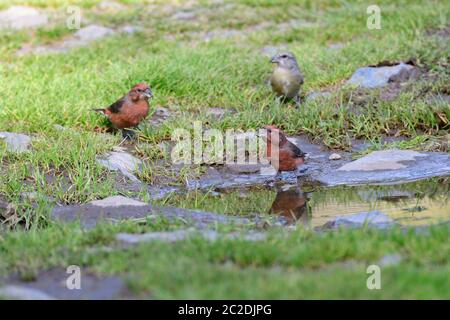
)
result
[(296, 150), (116, 106)]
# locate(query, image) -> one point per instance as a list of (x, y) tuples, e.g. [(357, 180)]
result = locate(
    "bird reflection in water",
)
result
[(292, 205)]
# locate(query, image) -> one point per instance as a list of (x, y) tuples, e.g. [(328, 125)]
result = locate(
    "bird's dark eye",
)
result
[(284, 56)]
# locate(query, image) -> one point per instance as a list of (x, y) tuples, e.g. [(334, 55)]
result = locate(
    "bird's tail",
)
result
[(99, 110)]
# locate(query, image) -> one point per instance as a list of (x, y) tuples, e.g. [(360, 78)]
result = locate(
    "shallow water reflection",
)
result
[(416, 203), (411, 204)]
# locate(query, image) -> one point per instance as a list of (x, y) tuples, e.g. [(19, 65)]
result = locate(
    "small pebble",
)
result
[(335, 156)]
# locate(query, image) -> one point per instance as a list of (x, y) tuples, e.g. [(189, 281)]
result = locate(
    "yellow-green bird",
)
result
[(286, 78)]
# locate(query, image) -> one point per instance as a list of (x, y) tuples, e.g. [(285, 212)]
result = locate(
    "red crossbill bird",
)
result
[(282, 154), (286, 78), (130, 110)]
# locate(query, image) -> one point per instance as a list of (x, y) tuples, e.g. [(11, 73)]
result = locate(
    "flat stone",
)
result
[(117, 201), (178, 235), (389, 166), (22, 17), (218, 113), (374, 77), (382, 160), (130, 29), (373, 219), (89, 215), (184, 15), (121, 161), (243, 168), (59, 127), (390, 260), (172, 236), (16, 292), (51, 284), (160, 115), (93, 32), (335, 156), (16, 142), (318, 95), (439, 98)]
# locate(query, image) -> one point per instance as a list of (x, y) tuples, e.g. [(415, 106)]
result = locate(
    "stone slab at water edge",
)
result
[(389, 166), (117, 208), (52, 284)]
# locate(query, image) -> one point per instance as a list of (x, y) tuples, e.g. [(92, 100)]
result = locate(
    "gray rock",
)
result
[(130, 29), (439, 98), (389, 166), (16, 292), (318, 95), (160, 115), (116, 201), (184, 16), (335, 156), (51, 284), (121, 161), (6, 209), (390, 260), (16, 142), (21, 17), (374, 77), (93, 32), (162, 112), (89, 215), (382, 160), (373, 219), (243, 168), (59, 127), (218, 113), (178, 235), (165, 236)]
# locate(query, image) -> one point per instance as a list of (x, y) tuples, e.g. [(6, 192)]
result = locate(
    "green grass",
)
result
[(290, 265), (188, 76)]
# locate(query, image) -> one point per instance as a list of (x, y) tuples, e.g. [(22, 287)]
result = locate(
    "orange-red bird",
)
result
[(130, 110), (282, 154)]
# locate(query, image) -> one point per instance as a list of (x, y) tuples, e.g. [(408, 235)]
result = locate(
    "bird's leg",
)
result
[(128, 134), (296, 99)]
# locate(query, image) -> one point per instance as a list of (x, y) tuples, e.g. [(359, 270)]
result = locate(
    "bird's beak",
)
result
[(274, 59), (148, 93)]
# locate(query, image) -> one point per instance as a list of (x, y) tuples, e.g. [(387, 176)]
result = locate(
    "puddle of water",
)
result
[(417, 203)]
